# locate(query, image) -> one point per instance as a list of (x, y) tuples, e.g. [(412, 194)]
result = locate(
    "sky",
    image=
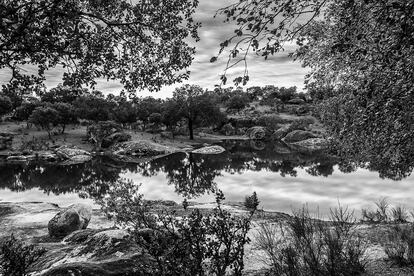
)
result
[(278, 70)]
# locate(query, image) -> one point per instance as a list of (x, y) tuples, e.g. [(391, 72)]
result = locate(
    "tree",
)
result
[(196, 107), (5, 105), (23, 112), (125, 113), (66, 114), (146, 106), (238, 102), (94, 107), (359, 52), (170, 116), (45, 117), (143, 44), (62, 94), (155, 118)]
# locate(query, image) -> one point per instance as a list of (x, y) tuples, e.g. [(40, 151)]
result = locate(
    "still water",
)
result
[(283, 180)]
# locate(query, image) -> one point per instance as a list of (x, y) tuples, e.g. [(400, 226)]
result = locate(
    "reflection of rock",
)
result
[(210, 150), (258, 132), (313, 144), (74, 218), (114, 138), (73, 155), (257, 145), (298, 135)]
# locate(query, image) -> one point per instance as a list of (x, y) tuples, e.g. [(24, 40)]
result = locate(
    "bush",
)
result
[(45, 117), (399, 245), (251, 202), (5, 105), (16, 257), (196, 244), (308, 246), (23, 112)]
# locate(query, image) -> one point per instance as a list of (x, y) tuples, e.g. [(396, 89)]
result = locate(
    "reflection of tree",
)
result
[(321, 169)]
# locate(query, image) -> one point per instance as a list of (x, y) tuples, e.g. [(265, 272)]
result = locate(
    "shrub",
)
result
[(308, 246), (16, 257), (5, 105), (399, 245), (45, 117), (399, 214), (251, 202), (197, 244), (23, 112), (380, 215)]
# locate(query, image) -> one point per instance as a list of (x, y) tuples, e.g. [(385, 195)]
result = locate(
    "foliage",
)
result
[(143, 44), (62, 94), (94, 107), (309, 246), (125, 113), (66, 114), (251, 202), (5, 105), (45, 117), (399, 214), (380, 215), (399, 244), (155, 118), (197, 244), (196, 107), (238, 102), (170, 116), (361, 64), (146, 106), (23, 112), (16, 257)]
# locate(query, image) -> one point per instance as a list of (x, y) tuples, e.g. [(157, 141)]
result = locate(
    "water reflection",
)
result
[(271, 168)]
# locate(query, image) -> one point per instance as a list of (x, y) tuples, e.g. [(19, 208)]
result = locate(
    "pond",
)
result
[(284, 180)]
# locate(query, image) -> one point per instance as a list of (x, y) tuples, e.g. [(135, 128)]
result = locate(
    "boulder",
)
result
[(210, 150), (48, 156), (281, 133), (298, 135), (114, 138), (296, 101), (258, 132), (310, 145), (73, 155), (75, 217), (20, 158), (141, 149)]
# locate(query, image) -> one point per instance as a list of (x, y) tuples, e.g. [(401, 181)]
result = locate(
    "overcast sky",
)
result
[(278, 70)]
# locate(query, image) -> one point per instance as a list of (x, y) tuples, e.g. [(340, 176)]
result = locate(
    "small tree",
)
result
[(237, 102), (155, 118), (5, 105), (66, 114), (46, 118)]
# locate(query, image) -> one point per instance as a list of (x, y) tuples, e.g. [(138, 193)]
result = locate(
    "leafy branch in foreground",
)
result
[(196, 244)]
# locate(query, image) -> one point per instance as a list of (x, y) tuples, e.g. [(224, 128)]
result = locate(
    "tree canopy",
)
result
[(361, 59), (143, 44)]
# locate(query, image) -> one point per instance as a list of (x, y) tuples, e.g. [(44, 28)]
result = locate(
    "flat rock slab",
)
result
[(210, 150)]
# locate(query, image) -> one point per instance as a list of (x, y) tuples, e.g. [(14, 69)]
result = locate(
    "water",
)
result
[(283, 180)]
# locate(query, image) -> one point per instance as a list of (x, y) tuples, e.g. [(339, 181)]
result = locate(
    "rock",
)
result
[(114, 138), (141, 149), (210, 150), (48, 156), (298, 135), (20, 158), (73, 218), (258, 132), (228, 129), (281, 133), (310, 145), (73, 155)]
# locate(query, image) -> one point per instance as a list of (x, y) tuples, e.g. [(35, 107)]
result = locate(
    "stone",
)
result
[(210, 150), (47, 156), (20, 158), (258, 132), (141, 148), (114, 138), (72, 155), (281, 133), (310, 145), (298, 135), (75, 217)]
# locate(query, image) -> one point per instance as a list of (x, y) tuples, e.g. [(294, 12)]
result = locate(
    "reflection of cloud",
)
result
[(279, 69)]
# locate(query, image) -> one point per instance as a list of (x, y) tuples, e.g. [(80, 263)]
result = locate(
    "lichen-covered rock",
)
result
[(310, 145), (114, 138), (73, 155), (210, 150), (141, 149), (75, 217), (20, 158), (280, 133), (258, 133), (298, 135)]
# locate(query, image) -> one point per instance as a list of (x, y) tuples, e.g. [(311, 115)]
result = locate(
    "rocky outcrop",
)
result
[(73, 218), (310, 145), (114, 138), (134, 151), (258, 133), (73, 155), (6, 140), (210, 150), (298, 135), (280, 133)]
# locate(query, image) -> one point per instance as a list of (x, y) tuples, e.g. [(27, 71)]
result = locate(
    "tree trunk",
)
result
[(190, 128)]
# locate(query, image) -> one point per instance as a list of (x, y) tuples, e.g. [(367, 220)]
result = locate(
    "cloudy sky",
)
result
[(278, 70)]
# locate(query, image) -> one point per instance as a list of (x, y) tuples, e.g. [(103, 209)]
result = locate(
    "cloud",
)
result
[(278, 70)]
